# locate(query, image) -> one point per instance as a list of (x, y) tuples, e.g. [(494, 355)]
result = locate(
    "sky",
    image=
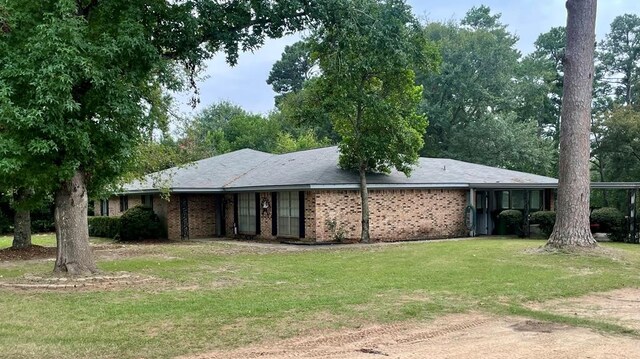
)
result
[(245, 84)]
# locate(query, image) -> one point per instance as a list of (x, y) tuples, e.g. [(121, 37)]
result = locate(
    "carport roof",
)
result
[(249, 170)]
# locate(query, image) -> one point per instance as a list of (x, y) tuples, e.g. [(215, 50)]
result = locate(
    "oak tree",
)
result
[(78, 79)]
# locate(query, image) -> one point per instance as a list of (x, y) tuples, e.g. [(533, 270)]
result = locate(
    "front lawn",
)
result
[(195, 297), (45, 240)]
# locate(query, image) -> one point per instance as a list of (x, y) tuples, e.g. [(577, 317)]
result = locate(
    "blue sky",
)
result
[(245, 84)]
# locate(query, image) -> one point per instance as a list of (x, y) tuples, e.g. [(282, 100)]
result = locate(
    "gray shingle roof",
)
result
[(318, 168)]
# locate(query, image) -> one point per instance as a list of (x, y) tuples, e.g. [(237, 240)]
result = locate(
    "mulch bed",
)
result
[(33, 252)]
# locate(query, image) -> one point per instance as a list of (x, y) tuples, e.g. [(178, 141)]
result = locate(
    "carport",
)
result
[(486, 200)]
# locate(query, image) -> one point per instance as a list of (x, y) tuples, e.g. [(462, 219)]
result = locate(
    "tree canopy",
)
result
[(80, 80)]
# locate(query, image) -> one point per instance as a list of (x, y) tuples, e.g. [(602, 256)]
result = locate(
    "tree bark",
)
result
[(572, 221), (364, 200), (22, 229), (74, 255)]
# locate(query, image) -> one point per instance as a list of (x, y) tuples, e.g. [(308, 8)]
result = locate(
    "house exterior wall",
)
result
[(114, 204), (161, 206), (310, 215), (228, 213), (394, 214), (266, 216), (202, 216)]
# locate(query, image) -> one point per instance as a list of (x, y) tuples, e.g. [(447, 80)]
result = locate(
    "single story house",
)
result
[(306, 195)]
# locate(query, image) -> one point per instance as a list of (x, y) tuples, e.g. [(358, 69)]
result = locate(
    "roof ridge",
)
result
[(250, 169)]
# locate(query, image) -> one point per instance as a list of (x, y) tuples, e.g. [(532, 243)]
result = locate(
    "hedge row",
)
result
[(107, 227), (137, 223), (608, 220)]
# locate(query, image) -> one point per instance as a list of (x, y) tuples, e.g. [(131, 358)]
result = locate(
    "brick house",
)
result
[(305, 195)]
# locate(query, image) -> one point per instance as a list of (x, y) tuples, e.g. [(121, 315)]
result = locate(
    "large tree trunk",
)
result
[(22, 229), (72, 231), (572, 221), (364, 200)]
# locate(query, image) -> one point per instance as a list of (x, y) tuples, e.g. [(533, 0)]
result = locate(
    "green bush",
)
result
[(107, 227), (611, 221), (42, 226), (545, 219), (139, 223), (513, 219)]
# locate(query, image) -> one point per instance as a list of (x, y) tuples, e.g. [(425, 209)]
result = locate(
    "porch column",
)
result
[(472, 212), (633, 229), (527, 211)]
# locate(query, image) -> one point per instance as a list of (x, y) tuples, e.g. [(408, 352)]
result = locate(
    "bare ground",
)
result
[(621, 307), (472, 336)]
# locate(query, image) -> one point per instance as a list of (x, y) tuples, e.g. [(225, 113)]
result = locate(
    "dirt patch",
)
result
[(32, 252), (621, 307), (454, 336), (538, 327), (95, 282)]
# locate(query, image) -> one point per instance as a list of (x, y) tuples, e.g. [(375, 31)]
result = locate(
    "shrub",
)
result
[(610, 220), (513, 220), (338, 233), (107, 227), (43, 225), (139, 223), (545, 219)]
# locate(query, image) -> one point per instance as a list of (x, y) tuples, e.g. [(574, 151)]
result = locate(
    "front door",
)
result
[(288, 214), (483, 217)]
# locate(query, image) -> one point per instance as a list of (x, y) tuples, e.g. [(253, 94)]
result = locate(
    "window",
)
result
[(504, 199), (146, 200), (124, 203), (104, 207), (479, 200), (517, 199), (535, 201), (288, 214), (247, 213)]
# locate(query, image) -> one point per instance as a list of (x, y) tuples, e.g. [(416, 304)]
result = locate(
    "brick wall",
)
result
[(173, 217), (228, 212), (266, 216), (114, 204), (202, 216), (394, 214), (310, 215)]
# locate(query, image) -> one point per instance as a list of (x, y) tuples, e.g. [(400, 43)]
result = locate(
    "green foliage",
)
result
[(336, 230), (106, 227), (303, 111), (6, 224), (513, 219), (475, 80), (81, 81), (285, 142), (610, 220), (292, 70), (139, 223), (368, 81), (503, 141), (224, 127), (545, 219), (620, 58), (620, 144)]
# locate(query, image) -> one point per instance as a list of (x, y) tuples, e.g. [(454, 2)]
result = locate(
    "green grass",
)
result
[(213, 295), (45, 240)]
